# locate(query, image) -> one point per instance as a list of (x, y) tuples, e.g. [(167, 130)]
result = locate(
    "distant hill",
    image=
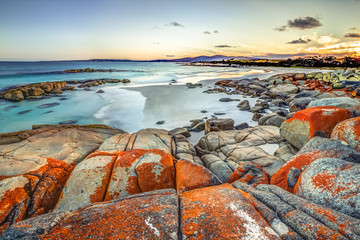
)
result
[(194, 59)]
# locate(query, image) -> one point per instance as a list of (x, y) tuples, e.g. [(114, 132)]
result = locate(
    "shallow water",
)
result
[(140, 104)]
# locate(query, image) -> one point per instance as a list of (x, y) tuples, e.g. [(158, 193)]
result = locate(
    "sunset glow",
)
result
[(162, 29)]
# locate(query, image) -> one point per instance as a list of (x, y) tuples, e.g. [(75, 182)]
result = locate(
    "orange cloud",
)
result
[(339, 48)]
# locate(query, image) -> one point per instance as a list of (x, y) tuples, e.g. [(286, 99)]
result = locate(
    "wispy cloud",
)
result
[(300, 41), (170, 55), (352, 35), (301, 23), (224, 46), (354, 28), (175, 24), (208, 32), (156, 42), (280, 29)]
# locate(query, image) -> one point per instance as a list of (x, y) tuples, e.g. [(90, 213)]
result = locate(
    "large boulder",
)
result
[(221, 212), (111, 175), (334, 183), (311, 122), (348, 131), (316, 148), (343, 102)]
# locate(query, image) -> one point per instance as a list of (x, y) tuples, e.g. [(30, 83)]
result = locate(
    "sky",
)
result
[(168, 29)]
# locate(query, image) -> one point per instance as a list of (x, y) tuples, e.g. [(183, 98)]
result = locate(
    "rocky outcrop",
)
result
[(311, 122), (349, 132), (38, 90), (293, 217), (222, 152)]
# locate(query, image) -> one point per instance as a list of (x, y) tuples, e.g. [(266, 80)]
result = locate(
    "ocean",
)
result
[(140, 104)]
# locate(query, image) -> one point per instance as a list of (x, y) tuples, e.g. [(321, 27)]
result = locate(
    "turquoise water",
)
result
[(125, 106)]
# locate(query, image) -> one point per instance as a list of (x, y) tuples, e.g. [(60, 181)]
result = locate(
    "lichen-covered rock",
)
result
[(250, 173), (149, 215), (14, 199), (190, 176), (105, 176), (342, 102), (348, 131), (221, 212), (311, 122), (138, 171), (32, 193), (293, 217), (87, 183), (333, 183), (316, 148)]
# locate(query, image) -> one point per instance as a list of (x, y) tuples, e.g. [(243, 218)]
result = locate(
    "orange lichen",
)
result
[(190, 176), (280, 177), (243, 174), (348, 131)]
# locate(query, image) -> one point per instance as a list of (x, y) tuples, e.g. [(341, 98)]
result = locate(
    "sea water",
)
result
[(149, 97)]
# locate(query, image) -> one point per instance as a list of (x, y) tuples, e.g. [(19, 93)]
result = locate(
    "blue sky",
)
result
[(144, 29)]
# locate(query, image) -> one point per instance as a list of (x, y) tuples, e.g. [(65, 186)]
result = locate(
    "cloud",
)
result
[(170, 55), (352, 35), (224, 46), (353, 28), (339, 48), (156, 42), (208, 32), (300, 23), (300, 41), (280, 29), (326, 40), (304, 23), (175, 24)]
